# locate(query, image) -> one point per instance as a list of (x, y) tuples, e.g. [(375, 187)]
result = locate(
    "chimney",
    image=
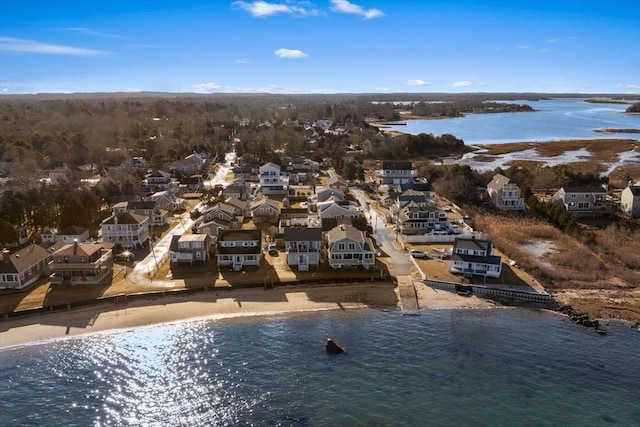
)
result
[(5, 255), (75, 246)]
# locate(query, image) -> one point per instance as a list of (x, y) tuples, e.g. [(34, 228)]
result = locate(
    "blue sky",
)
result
[(320, 46)]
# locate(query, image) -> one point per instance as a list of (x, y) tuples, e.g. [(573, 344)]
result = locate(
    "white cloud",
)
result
[(206, 87), (417, 82), (10, 44), (382, 89), (290, 53), (523, 47), (552, 41), (261, 9), (344, 6), (242, 61), (631, 86), (461, 83)]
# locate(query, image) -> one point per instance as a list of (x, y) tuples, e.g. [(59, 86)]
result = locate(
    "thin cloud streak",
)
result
[(344, 6), (290, 53), (91, 32), (10, 44), (461, 83)]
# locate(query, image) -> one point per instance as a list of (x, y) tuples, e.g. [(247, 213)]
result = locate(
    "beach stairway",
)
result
[(408, 296)]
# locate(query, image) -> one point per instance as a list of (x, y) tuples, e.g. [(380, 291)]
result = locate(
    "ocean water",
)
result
[(502, 367), (554, 119)]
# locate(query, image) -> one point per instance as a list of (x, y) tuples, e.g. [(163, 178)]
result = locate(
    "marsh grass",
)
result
[(612, 255)]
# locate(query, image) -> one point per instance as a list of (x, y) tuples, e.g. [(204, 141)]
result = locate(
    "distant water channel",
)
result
[(553, 119), (501, 367)]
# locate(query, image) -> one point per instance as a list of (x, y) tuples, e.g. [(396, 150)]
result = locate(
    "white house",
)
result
[(69, 234), (630, 200), (189, 248), (239, 248), (272, 181), (349, 247), (396, 172), (504, 194), (127, 230), (303, 247), (475, 257)]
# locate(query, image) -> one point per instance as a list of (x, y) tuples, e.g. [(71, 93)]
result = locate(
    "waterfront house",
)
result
[(349, 247), (239, 248), (583, 201), (189, 248), (303, 247), (272, 181), (504, 194), (127, 230), (630, 200), (82, 263), (473, 256), (22, 268), (396, 172), (221, 216)]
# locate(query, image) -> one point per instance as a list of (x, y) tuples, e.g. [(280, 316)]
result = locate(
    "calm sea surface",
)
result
[(502, 367), (555, 119)]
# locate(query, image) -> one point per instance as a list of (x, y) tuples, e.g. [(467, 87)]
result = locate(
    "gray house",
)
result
[(303, 246)]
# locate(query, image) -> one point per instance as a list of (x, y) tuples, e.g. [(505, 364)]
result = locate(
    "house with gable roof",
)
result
[(472, 257), (126, 229), (349, 247), (24, 267), (70, 234), (82, 263), (265, 210), (630, 200), (584, 201), (504, 194)]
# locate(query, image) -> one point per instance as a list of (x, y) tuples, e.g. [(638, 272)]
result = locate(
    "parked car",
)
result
[(271, 249), (417, 253)]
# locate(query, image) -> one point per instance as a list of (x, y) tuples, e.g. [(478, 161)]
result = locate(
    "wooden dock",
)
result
[(408, 296)]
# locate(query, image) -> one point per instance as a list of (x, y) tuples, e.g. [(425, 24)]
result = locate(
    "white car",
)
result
[(417, 253)]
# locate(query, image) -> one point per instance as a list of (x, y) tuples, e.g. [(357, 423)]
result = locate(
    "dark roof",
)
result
[(635, 190), (141, 205), (485, 245), (239, 235), (72, 230), (491, 259), (584, 190), (125, 218), (21, 260), (396, 165), (304, 234)]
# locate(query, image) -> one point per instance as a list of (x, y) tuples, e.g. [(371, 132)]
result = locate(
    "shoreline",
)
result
[(219, 304)]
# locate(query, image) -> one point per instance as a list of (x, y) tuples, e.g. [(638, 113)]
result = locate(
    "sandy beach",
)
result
[(220, 304)]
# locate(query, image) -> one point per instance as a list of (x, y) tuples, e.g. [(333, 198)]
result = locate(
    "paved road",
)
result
[(144, 269), (399, 262)]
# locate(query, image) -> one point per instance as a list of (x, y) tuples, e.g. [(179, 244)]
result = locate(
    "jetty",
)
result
[(408, 296)]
